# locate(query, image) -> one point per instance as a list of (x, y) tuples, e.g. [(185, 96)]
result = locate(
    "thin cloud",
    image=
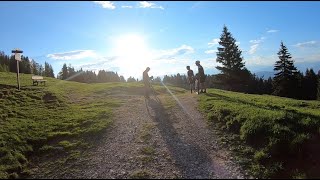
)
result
[(105, 4), (272, 31), (253, 48), (261, 60), (96, 64), (255, 44), (127, 7), (172, 53), (308, 59), (212, 51), (213, 42), (306, 44), (146, 4), (257, 41), (72, 55)]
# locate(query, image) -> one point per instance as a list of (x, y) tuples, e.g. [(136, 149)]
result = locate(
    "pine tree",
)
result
[(46, 69), (318, 94), (285, 82), (34, 67), (102, 76), (64, 72), (310, 84), (122, 79), (131, 79), (233, 75), (51, 73)]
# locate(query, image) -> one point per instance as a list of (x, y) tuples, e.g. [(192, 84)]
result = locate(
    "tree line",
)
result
[(70, 74), (287, 82), (234, 76), (26, 66)]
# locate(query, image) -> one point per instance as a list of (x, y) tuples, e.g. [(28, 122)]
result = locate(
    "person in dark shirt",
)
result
[(202, 78), (146, 81), (191, 78)]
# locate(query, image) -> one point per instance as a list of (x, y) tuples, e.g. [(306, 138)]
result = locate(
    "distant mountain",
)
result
[(303, 66), (267, 72), (264, 74)]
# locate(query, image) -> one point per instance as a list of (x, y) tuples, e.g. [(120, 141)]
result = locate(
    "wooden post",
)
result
[(17, 53), (18, 79)]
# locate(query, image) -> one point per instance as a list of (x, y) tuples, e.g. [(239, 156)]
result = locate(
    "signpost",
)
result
[(17, 56)]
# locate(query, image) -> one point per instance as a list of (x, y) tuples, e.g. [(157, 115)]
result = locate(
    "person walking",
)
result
[(146, 81), (202, 78), (191, 78)]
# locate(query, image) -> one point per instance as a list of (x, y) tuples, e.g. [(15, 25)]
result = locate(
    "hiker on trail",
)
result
[(202, 78), (191, 79), (196, 77), (146, 81)]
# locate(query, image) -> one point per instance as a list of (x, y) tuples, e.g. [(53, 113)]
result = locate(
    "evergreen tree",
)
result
[(122, 79), (233, 75), (310, 85), (24, 65), (157, 79), (318, 96), (64, 72), (46, 69), (13, 64), (2, 68), (285, 81), (131, 79), (34, 67), (102, 76), (40, 70), (268, 86), (71, 72), (51, 73)]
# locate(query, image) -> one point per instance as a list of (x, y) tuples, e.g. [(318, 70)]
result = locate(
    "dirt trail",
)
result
[(150, 140)]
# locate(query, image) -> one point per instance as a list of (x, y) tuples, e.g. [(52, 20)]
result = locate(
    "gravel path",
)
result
[(150, 140)]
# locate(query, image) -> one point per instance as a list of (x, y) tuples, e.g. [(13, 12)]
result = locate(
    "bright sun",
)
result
[(133, 54), (131, 46)]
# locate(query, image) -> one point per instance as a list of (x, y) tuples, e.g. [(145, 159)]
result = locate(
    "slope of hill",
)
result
[(273, 136), (60, 117)]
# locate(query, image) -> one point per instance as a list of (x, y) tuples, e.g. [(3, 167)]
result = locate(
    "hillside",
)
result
[(272, 136), (60, 117), (61, 129)]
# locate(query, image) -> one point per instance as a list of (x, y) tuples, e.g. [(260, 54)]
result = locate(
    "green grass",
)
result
[(141, 174), (267, 133), (148, 150), (62, 117)]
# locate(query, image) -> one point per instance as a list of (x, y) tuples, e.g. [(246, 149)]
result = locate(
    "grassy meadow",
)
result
[(271, 136), (59, 118)]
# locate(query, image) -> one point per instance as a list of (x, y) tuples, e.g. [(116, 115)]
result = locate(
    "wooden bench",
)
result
[(37, 79)]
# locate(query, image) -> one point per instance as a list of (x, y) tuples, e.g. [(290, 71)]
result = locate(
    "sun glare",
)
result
[(133, 52), (131, 46)]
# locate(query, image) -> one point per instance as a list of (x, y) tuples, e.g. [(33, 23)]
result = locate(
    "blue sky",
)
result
[(167, 36)]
